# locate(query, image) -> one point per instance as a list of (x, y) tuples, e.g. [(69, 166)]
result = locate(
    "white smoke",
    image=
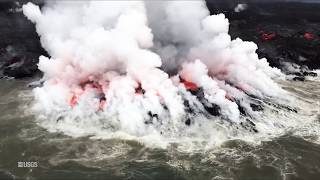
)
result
[(240, 7), (126, 50)]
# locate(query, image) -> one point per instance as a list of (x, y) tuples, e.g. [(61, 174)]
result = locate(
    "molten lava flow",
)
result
[(188, 85), (83, 87), (72, 99), (268, 36), (308, 35), (74, 95)]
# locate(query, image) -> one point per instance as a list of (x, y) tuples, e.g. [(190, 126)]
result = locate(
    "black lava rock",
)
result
[(22, 65), (256, 107), (213, 109), (152, 117), (249, 125), (197, 92), (188, 122), (313, 74), (240, 108), (20, 45), (284, 31), (299, 78)]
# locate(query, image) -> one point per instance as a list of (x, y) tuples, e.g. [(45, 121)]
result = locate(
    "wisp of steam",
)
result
[(164, 69)]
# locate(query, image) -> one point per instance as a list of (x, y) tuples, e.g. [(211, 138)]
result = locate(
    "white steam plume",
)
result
[(110, 64)]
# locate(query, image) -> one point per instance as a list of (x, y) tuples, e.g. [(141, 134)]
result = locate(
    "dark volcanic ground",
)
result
[(284, 32), (19, 43)]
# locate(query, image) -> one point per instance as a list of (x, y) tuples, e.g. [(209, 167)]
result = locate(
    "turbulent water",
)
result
[(290, 152)]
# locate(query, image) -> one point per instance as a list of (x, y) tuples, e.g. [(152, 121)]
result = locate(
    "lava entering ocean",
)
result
[(167, 68)]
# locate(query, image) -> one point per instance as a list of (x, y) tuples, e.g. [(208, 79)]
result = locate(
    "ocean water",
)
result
[(293, 154)]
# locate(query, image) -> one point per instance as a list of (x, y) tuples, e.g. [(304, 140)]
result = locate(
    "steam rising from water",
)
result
[(133, 67)]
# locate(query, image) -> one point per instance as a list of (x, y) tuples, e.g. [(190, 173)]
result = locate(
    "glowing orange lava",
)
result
[(308, 35), (85, 85), (189, 85)]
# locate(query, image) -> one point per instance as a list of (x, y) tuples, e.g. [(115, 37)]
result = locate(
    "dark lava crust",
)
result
[(284, 32)]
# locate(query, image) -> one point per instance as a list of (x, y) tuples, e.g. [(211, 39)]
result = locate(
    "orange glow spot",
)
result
[(72, 99), (189, 85), (308, 35), (268, 36), (83, 86)]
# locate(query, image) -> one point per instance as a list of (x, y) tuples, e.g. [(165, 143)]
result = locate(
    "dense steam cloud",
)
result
[(134, 66)]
